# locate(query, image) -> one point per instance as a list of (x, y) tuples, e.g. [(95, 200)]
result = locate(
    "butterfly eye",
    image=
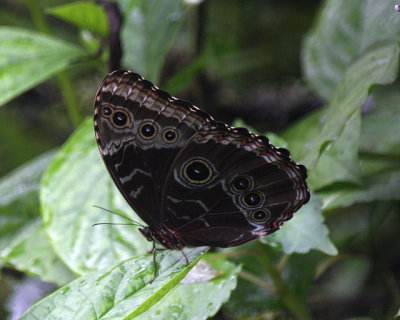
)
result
[(170, 135), (252, 199), (260, 215), (107, 111), (148, 130), (197, 171), (119, 118), (241, 184)]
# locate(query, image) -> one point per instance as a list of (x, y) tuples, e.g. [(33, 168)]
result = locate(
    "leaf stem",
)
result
[(63, 80), (295, 306), (257, 281), (282, 262)]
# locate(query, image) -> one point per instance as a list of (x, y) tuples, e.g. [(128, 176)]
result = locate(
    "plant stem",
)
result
[(292, 303), (69, 96), (63, 80), (257, 281)]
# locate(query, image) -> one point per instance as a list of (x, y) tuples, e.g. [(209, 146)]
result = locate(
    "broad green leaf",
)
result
[(30, 251), (382, 186), (76, 181), (304, 232), (343, 32), (339, 163), (85, 15), (378, 66), (28, 58), (121, 292), (199, 300), (148, 32), (378, 141), (19, 200), (380, 126), (304, 130)]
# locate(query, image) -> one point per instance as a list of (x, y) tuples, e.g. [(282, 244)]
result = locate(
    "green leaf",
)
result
[(28, 58), (383, 186), (305, 231), (23, 242), (377, 66), (343, 32), (199, 300), (19, 201), (304, 130), (30, 251), (85, 15), (149, 30), (122, 292), (380, 127), (76, 181), (339, 163)]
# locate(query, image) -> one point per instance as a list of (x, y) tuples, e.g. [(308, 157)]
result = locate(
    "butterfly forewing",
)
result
[(139, 130)]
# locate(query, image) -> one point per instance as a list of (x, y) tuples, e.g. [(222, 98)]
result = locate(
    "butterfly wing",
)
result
[(139, 131), (228, 186)]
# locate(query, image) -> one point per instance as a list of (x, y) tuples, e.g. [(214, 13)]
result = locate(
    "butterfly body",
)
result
[(167, 238), (194, 181)]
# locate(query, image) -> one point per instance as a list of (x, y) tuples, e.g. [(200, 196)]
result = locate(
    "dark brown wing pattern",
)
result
[(139, 130), (193, 180), (228, 186)]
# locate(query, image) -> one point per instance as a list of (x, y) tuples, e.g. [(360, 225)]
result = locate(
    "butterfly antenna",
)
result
[(133, 222), (114, 224)]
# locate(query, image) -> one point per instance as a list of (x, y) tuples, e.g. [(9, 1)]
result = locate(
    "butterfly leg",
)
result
[(153, 251), (186, 258), (157, 249)]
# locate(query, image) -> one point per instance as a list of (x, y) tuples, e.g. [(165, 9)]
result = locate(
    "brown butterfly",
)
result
[(193, 180)]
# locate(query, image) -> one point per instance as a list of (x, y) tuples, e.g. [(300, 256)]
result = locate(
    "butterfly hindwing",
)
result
[(228, 186)]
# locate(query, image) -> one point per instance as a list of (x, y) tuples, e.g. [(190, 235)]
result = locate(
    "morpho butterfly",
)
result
[(193, 180)]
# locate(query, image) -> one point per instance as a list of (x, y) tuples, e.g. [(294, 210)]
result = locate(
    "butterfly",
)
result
[(193, 180)]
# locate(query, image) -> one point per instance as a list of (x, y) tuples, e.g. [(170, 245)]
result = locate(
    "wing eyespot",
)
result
[(241, 184), (260, 215), (148, 130), (170, 135), (252, 199), (197, 171), (118, 118), (106, 111)]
